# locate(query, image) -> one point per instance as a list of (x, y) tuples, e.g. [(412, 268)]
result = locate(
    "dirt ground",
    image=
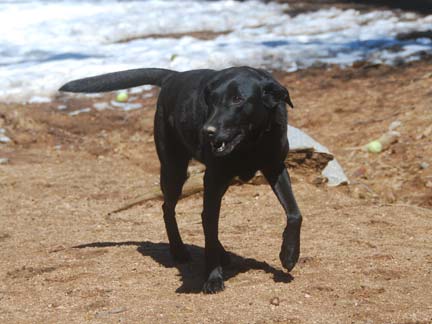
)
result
[(366, 248)]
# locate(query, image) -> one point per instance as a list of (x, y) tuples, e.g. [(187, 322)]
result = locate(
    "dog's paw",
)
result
[(181, 255), (289, 254), (214, 283)]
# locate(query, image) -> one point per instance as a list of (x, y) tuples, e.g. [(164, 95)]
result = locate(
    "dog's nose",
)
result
[(210, 131)]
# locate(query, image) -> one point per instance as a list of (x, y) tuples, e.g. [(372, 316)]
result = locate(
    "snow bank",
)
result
[(45, 43)]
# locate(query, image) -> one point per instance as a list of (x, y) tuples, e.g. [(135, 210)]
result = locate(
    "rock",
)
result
[(3, 137), (4, 160), (275, 301), (423, 165)]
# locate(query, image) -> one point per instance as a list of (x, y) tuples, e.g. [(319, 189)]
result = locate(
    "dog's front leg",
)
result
[(215, 185), (279, 179)]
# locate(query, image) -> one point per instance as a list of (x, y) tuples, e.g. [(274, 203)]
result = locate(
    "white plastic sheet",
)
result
[(333, 171)]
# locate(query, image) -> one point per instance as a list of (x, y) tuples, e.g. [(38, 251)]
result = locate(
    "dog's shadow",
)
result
[(191, 273)]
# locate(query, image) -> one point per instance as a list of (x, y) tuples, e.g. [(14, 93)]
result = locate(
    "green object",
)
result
[(374, 147), (122, 97)]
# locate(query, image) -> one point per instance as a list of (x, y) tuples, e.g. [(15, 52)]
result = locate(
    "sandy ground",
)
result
[(366, 248)]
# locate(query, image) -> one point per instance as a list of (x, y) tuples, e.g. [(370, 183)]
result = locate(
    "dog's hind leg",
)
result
[(173, 174)]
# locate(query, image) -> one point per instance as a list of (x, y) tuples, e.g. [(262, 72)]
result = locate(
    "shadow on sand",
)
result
[(191, 273)]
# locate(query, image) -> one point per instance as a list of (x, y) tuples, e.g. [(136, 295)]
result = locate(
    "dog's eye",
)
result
[(237, 99)]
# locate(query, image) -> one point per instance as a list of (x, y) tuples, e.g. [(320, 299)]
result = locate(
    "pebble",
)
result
[(424, 165), (275, 301), (4, 138), (4, 160)]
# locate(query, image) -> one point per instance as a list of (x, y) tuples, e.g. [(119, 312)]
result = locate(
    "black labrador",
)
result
[(235, 122)]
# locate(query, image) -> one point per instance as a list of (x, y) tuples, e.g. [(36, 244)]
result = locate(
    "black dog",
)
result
[(235, 122)]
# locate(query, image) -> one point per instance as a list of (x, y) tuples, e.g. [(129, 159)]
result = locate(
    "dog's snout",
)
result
[(210, 131)]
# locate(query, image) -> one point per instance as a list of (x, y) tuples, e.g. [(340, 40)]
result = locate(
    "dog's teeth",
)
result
[(222, 147)]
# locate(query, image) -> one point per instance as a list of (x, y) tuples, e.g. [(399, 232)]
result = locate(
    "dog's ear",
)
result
[(274, 93)]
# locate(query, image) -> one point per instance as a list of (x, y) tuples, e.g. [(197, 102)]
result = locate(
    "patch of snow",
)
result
[(75, 39), (79, 111)]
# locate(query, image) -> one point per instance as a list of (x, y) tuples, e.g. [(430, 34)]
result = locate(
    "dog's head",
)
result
[(242, 101)]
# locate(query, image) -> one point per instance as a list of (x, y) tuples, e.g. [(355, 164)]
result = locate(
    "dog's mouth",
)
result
[(226, 147)]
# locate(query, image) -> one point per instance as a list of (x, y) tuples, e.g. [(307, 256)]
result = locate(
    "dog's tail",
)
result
[(118, 80)]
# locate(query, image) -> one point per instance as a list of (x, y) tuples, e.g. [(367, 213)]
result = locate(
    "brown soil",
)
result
[(366, 247)]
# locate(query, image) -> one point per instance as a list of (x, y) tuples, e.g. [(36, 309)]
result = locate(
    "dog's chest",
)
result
[(186, 127), (247, 174)]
